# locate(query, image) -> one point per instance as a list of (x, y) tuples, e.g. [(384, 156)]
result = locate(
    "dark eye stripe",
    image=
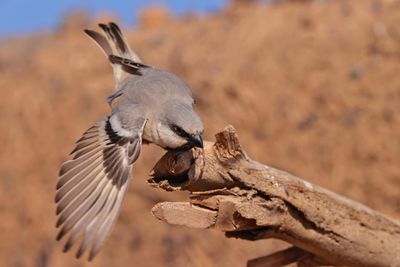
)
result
[(179, 131)]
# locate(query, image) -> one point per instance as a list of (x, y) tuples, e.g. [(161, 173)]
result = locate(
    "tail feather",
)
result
[(115, 47), (101, 41), (114, 34), (127, 65)]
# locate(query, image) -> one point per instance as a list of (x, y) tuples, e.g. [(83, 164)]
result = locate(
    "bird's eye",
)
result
[(178, 130)]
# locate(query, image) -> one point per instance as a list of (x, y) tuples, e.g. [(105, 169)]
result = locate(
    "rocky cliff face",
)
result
[(312, 88)]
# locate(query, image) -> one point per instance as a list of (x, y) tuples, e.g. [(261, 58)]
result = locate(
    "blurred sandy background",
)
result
[(312, 88)]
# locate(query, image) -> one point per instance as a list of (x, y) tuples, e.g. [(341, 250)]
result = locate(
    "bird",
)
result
[(148, 106)]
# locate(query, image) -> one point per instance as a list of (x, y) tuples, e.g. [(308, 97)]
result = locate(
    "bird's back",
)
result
[(153, 88)]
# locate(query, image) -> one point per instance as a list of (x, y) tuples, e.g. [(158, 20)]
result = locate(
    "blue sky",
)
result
[(18, 16)]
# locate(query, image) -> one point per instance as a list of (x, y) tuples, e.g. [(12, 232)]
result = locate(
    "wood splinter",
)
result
[(245, 199)]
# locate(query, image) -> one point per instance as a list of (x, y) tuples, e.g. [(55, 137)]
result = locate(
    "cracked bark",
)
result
[(237, 195)]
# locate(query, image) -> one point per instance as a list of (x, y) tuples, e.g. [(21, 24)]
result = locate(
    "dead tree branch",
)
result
[(246, 199)]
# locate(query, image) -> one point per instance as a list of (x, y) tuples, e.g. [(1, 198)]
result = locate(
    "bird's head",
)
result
[(180, 127)]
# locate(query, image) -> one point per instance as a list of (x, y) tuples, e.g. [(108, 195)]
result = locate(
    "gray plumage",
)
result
[(149, 105)]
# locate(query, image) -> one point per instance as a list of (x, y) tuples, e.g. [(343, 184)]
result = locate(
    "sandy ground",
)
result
[(312, 88)]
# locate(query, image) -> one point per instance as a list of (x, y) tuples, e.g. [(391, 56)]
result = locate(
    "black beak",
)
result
[(197, 141)]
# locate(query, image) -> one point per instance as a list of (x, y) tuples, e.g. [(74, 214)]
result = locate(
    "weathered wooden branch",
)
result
[(239, 196)]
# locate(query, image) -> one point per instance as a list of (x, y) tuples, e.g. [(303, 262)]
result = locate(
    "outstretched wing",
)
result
[(91, 186)]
